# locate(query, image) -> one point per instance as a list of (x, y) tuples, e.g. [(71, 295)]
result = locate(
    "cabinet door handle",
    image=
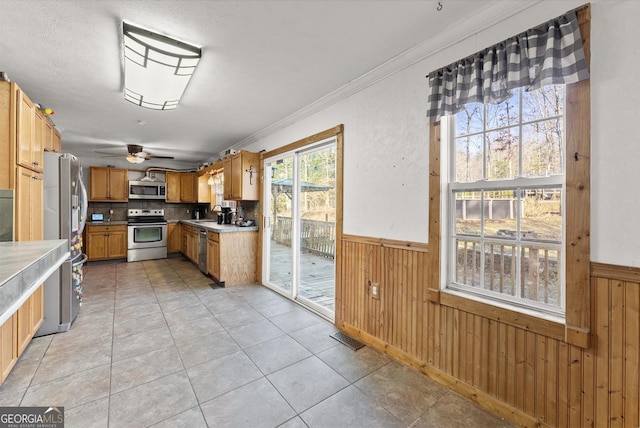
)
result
[(35, 163)]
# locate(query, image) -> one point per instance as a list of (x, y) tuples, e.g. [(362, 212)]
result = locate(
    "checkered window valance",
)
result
[(545, 55)]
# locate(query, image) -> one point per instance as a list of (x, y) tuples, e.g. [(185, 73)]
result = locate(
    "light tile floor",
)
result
[(156, 345)]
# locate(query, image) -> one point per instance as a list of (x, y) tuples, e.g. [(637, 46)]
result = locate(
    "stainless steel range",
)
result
[(147, 235)]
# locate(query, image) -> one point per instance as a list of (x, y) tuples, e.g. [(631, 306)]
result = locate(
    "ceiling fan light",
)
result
[(157, 68), (135, 159)]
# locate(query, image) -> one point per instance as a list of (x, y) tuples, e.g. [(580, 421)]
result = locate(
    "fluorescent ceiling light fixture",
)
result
[(157, 68), (135, 158)]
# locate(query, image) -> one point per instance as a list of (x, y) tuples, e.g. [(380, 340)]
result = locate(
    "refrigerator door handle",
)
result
[(81, 261), (85, 204)]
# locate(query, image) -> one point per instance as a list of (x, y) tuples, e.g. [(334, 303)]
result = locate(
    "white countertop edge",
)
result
[(32, 288), (220, 228)]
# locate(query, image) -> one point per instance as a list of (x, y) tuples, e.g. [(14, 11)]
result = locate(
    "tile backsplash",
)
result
[(172, 211)]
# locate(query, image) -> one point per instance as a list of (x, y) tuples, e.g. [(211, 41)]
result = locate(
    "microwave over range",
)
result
[(147, 190)]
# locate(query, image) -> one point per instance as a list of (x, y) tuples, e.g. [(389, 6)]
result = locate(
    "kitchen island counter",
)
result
[(23, 267)]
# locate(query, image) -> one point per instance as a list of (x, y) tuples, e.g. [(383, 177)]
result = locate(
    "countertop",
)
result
[(23, 267), (209, 224), (213, 226), (107, 223)]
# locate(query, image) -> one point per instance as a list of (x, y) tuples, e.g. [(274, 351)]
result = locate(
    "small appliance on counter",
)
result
[(198, 213), (227, 215)]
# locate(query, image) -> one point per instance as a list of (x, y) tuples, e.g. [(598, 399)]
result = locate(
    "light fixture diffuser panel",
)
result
[(157, 68)]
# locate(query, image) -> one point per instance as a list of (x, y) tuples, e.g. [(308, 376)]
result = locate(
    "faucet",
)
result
[(216, 205)]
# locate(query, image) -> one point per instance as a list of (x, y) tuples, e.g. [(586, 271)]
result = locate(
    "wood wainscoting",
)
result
[(530, 377)]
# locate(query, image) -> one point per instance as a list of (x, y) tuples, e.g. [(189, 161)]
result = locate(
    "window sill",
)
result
[(547, 325)]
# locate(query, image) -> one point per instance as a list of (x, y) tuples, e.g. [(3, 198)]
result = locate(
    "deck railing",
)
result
[(316, 237), (538, 271)]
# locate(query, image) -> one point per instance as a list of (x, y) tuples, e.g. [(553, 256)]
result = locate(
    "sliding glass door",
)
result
[(299, 235)]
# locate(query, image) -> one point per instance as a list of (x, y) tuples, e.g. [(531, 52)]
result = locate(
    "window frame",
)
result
[(484, 184), (575, 328)]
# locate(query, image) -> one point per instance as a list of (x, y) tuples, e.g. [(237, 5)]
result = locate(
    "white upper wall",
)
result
[(386, 134)]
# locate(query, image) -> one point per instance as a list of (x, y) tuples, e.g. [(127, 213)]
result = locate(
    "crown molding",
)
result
[(492, 15)]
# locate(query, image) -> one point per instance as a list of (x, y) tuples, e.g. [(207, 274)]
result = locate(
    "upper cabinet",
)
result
[(173, 186), (29, 133), (188, 187), (29, 205), (241, 177), (183, 187), (50, 136), (108, 184), (204, 189), (21, 160)]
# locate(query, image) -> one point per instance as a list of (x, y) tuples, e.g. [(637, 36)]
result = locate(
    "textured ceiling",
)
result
[(262, 61)]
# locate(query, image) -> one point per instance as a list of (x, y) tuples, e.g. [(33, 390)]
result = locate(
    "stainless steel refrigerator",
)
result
[(65, 210)]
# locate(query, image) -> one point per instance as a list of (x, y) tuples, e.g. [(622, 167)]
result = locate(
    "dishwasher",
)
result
[(202, 251)]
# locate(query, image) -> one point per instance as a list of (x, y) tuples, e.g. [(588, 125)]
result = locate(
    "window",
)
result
[(499, 159), (506, 200)]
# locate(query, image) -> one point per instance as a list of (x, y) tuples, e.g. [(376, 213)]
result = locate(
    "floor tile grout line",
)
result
[(184, 368)]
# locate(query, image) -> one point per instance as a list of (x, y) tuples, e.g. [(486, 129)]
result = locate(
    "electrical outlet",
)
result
[(375, 290)]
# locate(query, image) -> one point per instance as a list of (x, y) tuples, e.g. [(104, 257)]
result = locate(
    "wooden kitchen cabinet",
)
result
[(108, 184), (213, 254), (106, 242), (231, 257), (240, 184), (29, 205), (24, 325), (37, 309), (29, 318), (204, 189), (174, 238), (56, 144), (181, 186), (193, 238), (51, 139), (173, 186), (29, 132), (16, 333), (188, 187), (190, 242), (8, 346)]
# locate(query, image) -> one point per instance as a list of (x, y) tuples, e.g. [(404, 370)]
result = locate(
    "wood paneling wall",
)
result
[(529, 378)]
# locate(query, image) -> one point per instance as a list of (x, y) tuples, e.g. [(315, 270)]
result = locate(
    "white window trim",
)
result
[(447, 216)]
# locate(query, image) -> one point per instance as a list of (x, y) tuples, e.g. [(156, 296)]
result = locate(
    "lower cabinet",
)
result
[(174, 238), (8, 346), (17, 331), (213, 255), (106, 242), (231, 257), (190, 237)]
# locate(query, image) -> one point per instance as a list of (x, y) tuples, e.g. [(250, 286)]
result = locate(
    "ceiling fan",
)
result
[(135, 155)]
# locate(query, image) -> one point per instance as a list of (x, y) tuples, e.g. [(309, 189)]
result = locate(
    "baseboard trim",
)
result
[(495, 406)]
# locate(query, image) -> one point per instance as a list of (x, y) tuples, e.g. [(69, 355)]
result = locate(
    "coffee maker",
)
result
[(227, 215), (198, 212)]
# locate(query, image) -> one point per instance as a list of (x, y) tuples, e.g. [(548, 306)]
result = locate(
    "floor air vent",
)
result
[(346, 340)]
